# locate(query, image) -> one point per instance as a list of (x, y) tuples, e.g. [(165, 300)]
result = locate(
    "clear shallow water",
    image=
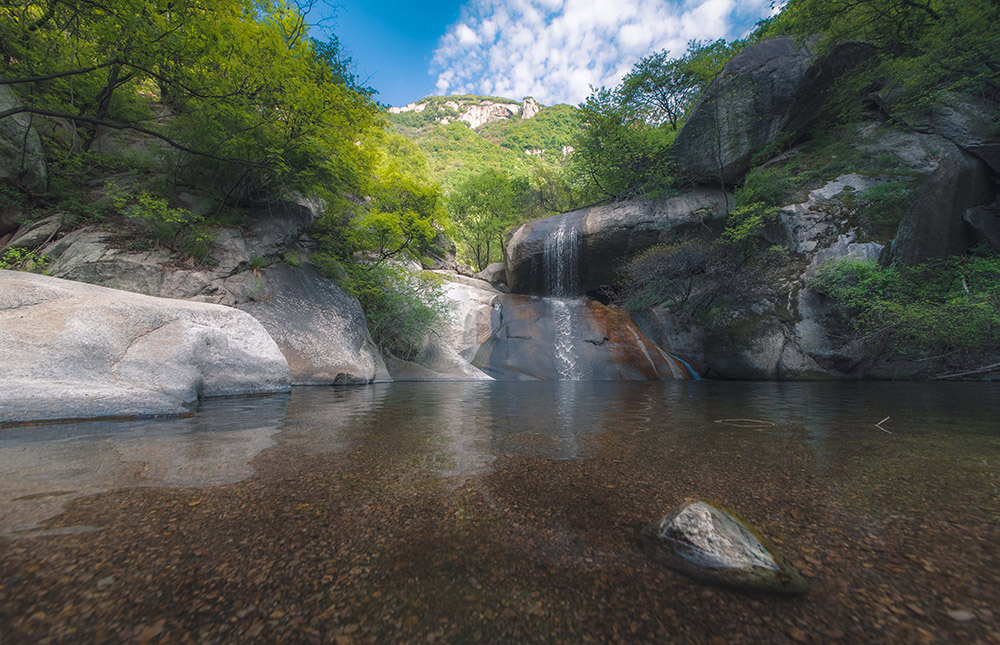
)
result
[(505, 511)]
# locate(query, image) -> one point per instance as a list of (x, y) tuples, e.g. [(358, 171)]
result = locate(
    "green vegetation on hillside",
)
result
[(947, 306), (235, 87), (551, 130)]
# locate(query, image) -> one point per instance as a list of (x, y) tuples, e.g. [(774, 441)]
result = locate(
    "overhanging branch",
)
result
[(115, 125)]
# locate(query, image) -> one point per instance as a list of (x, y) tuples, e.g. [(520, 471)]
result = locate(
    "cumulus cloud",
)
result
[(555, 50)]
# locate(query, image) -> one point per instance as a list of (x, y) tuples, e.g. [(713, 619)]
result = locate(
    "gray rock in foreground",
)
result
[(707, 544), (72, 351)]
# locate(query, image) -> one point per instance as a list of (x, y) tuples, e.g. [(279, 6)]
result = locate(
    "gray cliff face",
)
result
[(770, 90), (70, 350)]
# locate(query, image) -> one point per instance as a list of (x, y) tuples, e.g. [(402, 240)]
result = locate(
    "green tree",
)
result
[(238, 85), (617, 151), (483, 207), (925, 46)]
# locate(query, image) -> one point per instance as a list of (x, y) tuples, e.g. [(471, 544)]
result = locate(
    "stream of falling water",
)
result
[(564, 347), (561, 259)]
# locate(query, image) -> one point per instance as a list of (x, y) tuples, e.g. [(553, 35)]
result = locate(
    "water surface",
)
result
[(505, 512)]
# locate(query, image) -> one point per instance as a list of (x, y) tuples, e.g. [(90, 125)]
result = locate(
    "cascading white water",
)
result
[(561, 259), (564, 345), (560, 265)]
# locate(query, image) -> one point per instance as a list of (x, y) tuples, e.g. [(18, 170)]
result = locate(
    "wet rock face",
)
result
[(576, 252), (708, 544), (569, 339), (771, 89)]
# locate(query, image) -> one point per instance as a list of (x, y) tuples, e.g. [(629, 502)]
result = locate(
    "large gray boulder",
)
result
[(319, 328), (711, 545), (773, 89), (984, 223), (71, 351), (576, 252), (22, 160), (934, 225), (969, 122), (32, 235)]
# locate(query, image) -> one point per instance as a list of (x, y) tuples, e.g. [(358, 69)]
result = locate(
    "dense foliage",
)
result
[(942, 307), (623, 149), (236, 84), (925, 46)]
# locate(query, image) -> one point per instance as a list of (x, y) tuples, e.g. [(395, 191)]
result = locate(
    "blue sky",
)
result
[(550, 49)]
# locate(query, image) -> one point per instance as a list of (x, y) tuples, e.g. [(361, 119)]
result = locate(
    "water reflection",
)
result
[(460, 430), (44, 467)]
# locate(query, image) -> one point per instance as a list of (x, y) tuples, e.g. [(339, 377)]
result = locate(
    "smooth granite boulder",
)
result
[(320, 328), (72, 351), (775, 89), (711, 545)]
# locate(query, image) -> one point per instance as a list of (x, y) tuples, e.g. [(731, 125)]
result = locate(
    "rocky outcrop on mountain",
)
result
[(22, 160), (775, 89), (70, 351), (474, 111), (487, 112), (529, 108), (576, 252)]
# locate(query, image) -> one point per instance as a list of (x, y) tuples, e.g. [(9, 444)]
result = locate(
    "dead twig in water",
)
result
[(981, 370), (879, 425), (746, 423)]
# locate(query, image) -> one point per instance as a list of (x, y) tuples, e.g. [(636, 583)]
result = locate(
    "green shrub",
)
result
[(402, 309), (153, 213), (198, 243), (18, 259), (942, 306)]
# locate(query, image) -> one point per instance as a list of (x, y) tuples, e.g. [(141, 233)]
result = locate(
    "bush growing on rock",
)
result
[(947, 306), (402, 308)]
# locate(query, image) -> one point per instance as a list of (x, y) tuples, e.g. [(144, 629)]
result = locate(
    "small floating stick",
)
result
[(879, 425)]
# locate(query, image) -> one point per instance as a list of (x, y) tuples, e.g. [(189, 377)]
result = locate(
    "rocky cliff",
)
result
[(476, 111)]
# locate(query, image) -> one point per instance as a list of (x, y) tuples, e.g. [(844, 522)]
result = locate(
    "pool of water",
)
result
[(507, 512)]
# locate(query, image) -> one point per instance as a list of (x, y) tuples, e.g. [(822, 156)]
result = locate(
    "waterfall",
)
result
[(564, 347), (561, 258)]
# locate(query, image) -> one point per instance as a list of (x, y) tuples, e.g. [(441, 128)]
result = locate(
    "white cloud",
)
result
[(555, 50)]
